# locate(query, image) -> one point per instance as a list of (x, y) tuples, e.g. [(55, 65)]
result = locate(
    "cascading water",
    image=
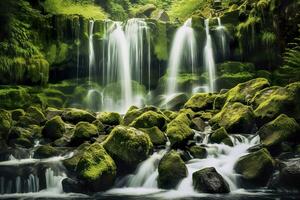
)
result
[(138, 37), (183, 53), (209, 61), (77, 41), (91, 50), (221, 31)]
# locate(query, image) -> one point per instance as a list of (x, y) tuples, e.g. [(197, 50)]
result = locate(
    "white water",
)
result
[(183, 53), (221, 30), (138, 38), (91, 50), (209, 61), (77, 52)]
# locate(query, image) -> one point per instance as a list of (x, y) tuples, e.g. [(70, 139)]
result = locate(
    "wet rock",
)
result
[(74, 115), (208, 180), (201, 101), (156, 135), (280, 130), (255, 167), (84, 131), (171, 170), (175, 102), (109, 118), (263, 95), (20, 137), (12, 98), (135, 112), (5, 123), (198, 124), (52, 112), (235, 118), (198, 152), (128, 146), (150, 119), (46, 151), (54, 128), (73, 186), (221, 136), (160, 15)]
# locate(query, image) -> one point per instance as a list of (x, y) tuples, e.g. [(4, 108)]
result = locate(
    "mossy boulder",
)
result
[(200, 101), (263, 95), (84, 131), (208, 180), (283, 100), (145, 10), (171, 170), (156, 135), (220, 136), (12, 98), (71, 163), (20, 137), (128, 146), (230, 80), (5, 122), (74, 115), (179, 131), (198, 124), (256, 167), (175, 102), (96, 168), (198, 152), (235, 118), (46, 151), (110, 118), (54, 128), (17, 113), (134, 112), (33, 116), (282, 129), (150, 119)]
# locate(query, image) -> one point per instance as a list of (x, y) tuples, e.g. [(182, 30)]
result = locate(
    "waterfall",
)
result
[(138, 38), (221, 31), (183, 53), (209, 61), (118, 66), (91, 50), (77, 52)]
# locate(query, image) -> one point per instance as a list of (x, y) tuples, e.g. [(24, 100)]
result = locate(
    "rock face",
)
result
[(235, 118), (54, 128), (150, 119), (171, 170), (201, 101), (109, 118), (96, 168), (255, 167), (84, 131), (74, 116), (208, 180), (128, 146), (282, 129)]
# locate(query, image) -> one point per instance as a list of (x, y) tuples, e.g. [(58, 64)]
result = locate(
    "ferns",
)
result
[(268, 38), (292, 55)]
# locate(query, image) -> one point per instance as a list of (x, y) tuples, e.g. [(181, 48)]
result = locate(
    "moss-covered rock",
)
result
[(156, 135), (201, 101), (12, 98), (20, 137), (174, 102), (198, 124), (230, 80), (5, 122), (135, 112), (208, 180), (282, 129), (235, 118), (171, 170), (17, 113), (84, 131), (150, 119), (45, 151), (198, 152), (256, 167), (179, 131), (221, 136), (96, 168), (283, 100), (263, 95), (109, 118), (54, 128), (33, 116), (74, 115), (71, 163), (128, 146)]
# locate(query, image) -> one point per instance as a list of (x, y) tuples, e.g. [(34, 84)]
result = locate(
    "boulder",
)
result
[(179, 131), (280, 130), (71, 163), (17, 113), (12, 98), (256, 167), (46, 151), (20, 137), (220, 136), (96, 168), (74, 115), (200, 101), (54, 128), (175, 102), (150, 119), (208, 180), (156, 135), (52, 112), (5, 123), (171, 170), (84, 131), (33, 116), (135, 112), (109, 118), (235, 118), (198, 152), (145, 10), (263, 95), (198, 124), (161, 15), (128, 146)]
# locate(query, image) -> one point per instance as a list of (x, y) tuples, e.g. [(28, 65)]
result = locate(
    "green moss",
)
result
[(45, 151), (221, 136), (235, 118), (110, 118), (263, 95), (135, 112), (75, 115), (150, 119), (54, 128), (227, 81), (5, 122), (171, 170), (71, 163), (256, 167), (268, 38), (128, 145), (12, 98), (161, 43), (156, 135), (17, 113), (84, 131), (198, 152), (201, 101)]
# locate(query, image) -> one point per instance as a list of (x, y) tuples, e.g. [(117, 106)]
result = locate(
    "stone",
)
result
[(54, 128), (220, 136), (46, 151), (156, 135), (84, 131), (198, 152), (74, 115), (109, 118), (150, 119), (200, 101)]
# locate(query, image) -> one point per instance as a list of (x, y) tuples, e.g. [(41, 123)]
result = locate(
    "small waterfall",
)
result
[(77, 51), (91, 50), (221, 31), (209, 61), (118, 66), (138, 38), (183, 53)]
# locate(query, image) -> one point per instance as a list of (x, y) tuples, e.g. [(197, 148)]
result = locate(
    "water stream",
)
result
[(221, 31)]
